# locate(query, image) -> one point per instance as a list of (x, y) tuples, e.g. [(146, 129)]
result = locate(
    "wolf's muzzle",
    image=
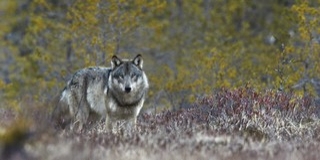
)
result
[(127, 89)]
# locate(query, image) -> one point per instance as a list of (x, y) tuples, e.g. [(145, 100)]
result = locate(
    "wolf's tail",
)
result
[(63, 95)]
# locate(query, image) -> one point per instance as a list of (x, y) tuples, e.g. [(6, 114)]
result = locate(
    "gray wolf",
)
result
[(116, 93)]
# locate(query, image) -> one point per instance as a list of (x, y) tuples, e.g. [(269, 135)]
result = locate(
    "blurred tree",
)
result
[(190, 48)]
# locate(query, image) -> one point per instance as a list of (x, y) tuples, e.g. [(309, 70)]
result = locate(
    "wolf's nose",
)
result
[(127, 89)]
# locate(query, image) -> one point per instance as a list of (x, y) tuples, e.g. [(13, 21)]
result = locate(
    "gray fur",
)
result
[(116, 93)]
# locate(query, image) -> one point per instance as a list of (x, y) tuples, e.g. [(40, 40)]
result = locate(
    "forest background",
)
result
[(190, 48)]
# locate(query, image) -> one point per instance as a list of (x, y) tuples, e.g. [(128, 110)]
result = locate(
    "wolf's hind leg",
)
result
[(83, 114), (83, 106), (79, 110), (73, 108)]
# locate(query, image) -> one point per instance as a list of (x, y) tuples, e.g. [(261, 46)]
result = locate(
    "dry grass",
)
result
[(230, 124)]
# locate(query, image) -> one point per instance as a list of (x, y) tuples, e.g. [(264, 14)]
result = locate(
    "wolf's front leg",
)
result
[(117, 126), (108, 124), (131, 124)]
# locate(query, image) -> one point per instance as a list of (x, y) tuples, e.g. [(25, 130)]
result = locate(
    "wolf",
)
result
[(116, 93)]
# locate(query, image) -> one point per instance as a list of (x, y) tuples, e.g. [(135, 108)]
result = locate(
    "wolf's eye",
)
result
[(133, 76), (121, 77)]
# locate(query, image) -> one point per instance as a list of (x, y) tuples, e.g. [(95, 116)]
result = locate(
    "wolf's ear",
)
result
[(115, 61), (138, 61)]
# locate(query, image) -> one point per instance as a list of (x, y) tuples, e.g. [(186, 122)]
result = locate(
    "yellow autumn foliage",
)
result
[(191, 48)]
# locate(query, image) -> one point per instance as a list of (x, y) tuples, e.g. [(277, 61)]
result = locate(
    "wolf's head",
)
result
[(127, 81)]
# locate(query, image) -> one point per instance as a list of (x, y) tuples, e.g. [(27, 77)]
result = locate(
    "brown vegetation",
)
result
[(230, 124)]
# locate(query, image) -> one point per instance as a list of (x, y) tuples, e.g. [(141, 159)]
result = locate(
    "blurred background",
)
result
[(190, 48)]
